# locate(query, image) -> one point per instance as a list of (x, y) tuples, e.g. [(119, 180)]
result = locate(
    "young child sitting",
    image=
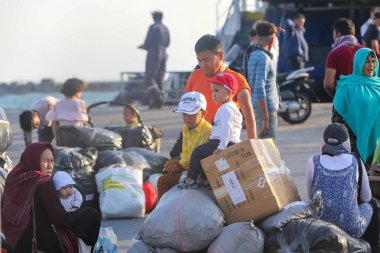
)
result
[(70, 197), (335, 173), (131, 115), (226, 128), (196, 131), (70, 110)]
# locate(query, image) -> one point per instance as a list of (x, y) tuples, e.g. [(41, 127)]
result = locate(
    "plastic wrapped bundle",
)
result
[(238, 237), (146, 160), (6, 162), (312, 235), (121, 193), (5, 131), (84, 137), (140, 247), (184, 220), (142, 137), (293, 211)]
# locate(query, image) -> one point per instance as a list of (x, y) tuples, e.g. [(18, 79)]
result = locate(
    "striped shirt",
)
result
[(262, 80)]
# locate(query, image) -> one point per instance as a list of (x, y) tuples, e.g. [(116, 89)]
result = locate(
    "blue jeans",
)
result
[(272, 124)]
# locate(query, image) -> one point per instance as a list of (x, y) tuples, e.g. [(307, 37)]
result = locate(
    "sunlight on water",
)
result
[(23, 101)]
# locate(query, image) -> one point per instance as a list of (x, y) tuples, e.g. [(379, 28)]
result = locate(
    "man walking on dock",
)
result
[(156, 42)]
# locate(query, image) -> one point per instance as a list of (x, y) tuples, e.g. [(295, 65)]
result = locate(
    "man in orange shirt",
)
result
[(210, 59)]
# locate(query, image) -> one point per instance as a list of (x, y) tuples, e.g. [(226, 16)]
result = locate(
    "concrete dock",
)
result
[(296, 143)]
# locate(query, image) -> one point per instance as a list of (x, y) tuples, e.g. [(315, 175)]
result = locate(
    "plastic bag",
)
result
[(5, 131), (312, 235), (292, 211), (239, 237), (150, 196), (184, 220), (107, 241), (153, 179), (85, 137), (121, 194), (147, 161), (140, 247), (142, 136), (6, 162)]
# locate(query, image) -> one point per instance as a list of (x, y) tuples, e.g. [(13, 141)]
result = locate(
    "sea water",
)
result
[(23, 101)]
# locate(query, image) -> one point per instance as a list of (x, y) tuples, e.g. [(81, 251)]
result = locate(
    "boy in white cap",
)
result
[(196, 131), (70, 197), (226, 129)]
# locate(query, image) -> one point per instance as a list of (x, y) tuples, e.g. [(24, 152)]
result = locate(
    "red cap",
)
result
[(227, 80)]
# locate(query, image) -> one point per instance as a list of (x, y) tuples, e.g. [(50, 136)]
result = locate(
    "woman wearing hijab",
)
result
[(32, 217), (357, 101), (335, 173)]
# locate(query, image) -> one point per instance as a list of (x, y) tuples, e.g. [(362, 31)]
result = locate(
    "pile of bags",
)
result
[(190, 221), (116, 182)]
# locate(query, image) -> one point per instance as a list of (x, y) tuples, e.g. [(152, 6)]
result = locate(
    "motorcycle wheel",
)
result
[(301, 115)]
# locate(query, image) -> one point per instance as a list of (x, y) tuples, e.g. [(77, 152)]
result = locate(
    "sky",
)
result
[(95, 39)]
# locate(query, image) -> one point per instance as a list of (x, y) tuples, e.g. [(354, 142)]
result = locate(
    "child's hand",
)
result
[(216, 151), (172, 166)]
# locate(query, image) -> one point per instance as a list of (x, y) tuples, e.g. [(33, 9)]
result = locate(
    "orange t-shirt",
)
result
[(199, 82)]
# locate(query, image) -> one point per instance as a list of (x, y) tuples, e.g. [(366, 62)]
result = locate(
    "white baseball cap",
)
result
[(191, 103), (61, 179)]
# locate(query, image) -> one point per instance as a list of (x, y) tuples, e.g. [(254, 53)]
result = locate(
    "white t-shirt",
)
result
[(227, 125)]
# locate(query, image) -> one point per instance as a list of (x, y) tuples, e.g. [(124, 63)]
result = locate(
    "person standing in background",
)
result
[(372, 36), (262, 79), (294, 46), (275, 50), (340, 59), (35, 119), (156, 42), (364, 27)]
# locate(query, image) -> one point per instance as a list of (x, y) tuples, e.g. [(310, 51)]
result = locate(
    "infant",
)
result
[(70, 197)]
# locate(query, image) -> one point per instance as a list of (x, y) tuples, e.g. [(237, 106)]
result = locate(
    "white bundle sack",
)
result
[(153, 179), (120, 192), (238, 237), (184, 220), (140, 247)]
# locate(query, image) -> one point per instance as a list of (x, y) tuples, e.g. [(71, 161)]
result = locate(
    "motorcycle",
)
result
[(296, 95)]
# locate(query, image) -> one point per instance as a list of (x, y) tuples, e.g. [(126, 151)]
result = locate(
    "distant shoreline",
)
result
[(50, 86)]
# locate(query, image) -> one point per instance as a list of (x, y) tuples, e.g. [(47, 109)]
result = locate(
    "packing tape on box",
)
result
[(277, 170), (235, 189), (268, 154)]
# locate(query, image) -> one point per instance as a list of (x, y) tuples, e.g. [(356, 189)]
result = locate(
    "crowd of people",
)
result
[(43, 211)]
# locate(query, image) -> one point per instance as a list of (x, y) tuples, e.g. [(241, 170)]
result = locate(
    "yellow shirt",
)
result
[(193, 139), (135, 124)]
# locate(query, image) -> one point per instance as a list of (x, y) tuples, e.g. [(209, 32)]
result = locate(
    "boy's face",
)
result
[(36, 120), (130, 116), (220, 94), (191, 121), (66, 191)]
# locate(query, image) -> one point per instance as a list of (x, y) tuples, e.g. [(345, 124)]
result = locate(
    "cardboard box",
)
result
[(250, 180)]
